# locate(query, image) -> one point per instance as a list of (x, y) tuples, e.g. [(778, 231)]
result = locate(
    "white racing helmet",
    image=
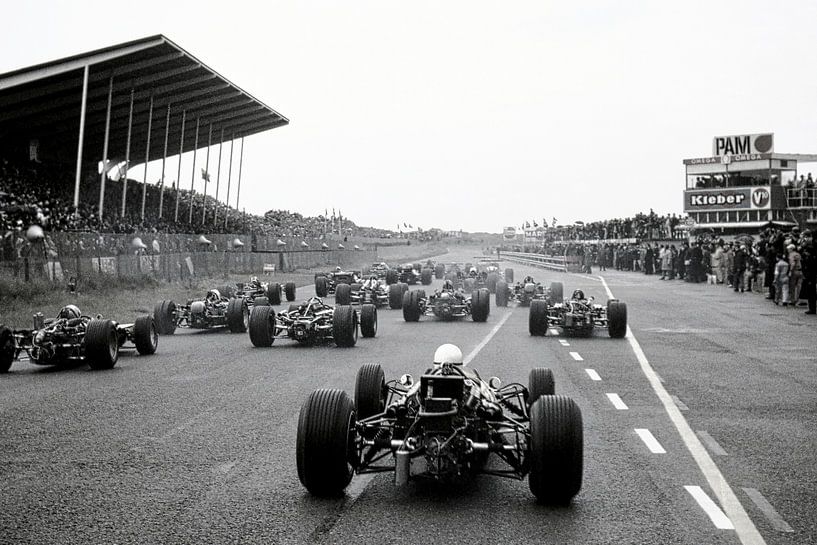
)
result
[(448, 353)]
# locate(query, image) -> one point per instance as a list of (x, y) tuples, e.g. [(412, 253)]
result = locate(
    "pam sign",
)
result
[(743, 144)]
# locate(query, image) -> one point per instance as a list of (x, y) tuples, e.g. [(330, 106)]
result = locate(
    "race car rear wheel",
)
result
[(274, 293), (343, 294), (370, 391), (289, 290), (238, 315), (344, 325), (395, 296), (538, 318), (411, 306), (540, 383), (325, 451), (262, 327), (501, 288), (321, 288), (491, 282), (391, 277), (480, 305), (101, 344), (556, 449), (261, 301), (509, 275), (425, 276), (439, 271), (616, 318), (164, 313), (557, 291), (368, 321), (145, 336), (7, 349)]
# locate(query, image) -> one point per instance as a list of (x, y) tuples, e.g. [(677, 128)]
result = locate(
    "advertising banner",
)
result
[(743, 144), (738, 198)]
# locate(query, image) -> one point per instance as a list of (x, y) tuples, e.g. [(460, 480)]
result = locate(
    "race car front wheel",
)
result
[(538, 318), (164, 313), (540, 383), (145, 336), (101, 344), (325, 450), (368, 321), (556, 449), (370, 391), (261, 328)]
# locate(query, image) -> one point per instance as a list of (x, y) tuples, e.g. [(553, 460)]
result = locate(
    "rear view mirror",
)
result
[(495, 383)]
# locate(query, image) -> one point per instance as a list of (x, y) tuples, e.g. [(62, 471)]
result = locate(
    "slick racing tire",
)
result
[(439, 271), (7, 349), (509, 275), (274, 293), (411, 306), (540, 383), (491, 282), (557, 291), (344, 326), (101, 344), (480, 305), (325, 451), (343, 294), (501, 294), (321, 287), (556, 449), (391, 277), (238, 315), (616, 318), (395, 296), (368, 321), (261, 301), (164, 313), (425, 276), (289, 291), (538, 318), (370, 391), (145, 336), (262, 327)]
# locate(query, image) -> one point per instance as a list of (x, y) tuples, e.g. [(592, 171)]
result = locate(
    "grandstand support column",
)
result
[(147, 156), (104, 173), (193, 170), (240, 165), (229, 178), (164, 160), (218, 178), (179, 171), (127, 156), (206, 175), (81, 134)]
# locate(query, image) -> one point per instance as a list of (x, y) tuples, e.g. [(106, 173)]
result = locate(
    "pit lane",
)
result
[(196, 444)]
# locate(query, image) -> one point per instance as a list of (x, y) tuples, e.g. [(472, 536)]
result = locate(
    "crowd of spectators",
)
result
[(641, 226)]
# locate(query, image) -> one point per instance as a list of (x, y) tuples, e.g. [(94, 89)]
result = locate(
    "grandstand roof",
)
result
[(44, 101)]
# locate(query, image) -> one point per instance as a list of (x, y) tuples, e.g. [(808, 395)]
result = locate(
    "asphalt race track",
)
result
[(699, 429)]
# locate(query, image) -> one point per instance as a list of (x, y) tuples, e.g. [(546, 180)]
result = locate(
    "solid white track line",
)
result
[(592, 374), (617, 402), (711, 444), (718, 517), (650, 440), (774, 517), (486, 340), (744, 527), (576, 356)]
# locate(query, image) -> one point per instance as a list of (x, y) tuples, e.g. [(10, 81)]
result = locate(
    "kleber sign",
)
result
[(743, 144), (739, 198)]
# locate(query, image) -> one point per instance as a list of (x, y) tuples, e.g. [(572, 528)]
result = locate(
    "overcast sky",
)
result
[(473, 115)]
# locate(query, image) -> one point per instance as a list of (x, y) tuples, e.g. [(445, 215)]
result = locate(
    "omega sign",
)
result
[(743, 144)]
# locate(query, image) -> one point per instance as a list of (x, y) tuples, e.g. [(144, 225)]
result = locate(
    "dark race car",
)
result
[(370, 292), (578, 316), (256, 292), (526, 291), (448, 426), (380, 270), (413, 273), (312, 322), (447, 304), (72, 337), (214, 311), (327, 283)]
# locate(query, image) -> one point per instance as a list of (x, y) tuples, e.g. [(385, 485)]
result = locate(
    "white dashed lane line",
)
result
[(576, 356), (774, 517), (617, 402), (718, 517), (553, 331), (711, 444), (592, 374), (680, 404), (564, 342), (650, 440)]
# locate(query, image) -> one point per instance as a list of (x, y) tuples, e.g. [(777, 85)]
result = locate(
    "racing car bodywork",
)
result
[(59, 341), (312, 322), (263, 293), (444, 427), (327, 283), (578, 316), (213, 311), (526, 292), (447, 305)]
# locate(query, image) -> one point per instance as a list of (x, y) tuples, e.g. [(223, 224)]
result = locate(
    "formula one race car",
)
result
[(72, 337), (370, 292), (579, 316), (380, 270), (215, 310), (327, 283), (526, 291), (447, 304), (312, 322), (412, 273), (445, 427), (495, 275), (256, 292)]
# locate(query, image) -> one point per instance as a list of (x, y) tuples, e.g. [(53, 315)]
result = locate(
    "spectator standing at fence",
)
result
[(781, 280), (739, 264), (666, 262), (809, 264), (588, 261), (717, 261), (728, 265), (683, 257), (795, 273)]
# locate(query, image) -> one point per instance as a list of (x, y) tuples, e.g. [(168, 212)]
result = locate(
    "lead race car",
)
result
[(72, 337), (256, 292), (447, 304), (312, 322), (214, 311), (444, 427), (327, 283), (578, 315)]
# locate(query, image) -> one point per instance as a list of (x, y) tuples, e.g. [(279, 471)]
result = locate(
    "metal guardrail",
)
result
[(552, 262)]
